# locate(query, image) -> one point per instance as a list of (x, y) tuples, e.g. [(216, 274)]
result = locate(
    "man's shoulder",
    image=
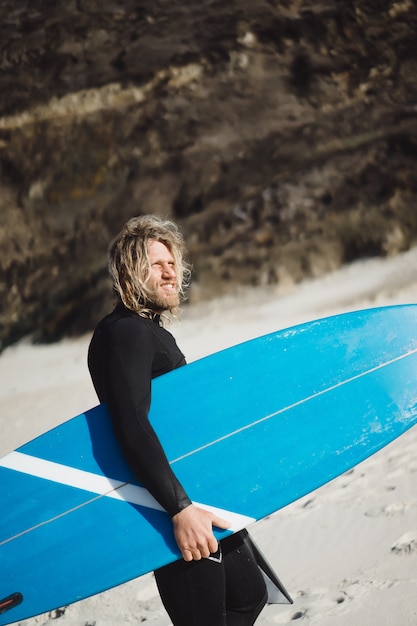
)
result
[(122, 321)]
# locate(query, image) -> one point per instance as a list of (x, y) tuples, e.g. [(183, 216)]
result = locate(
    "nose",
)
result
[(168, 270)]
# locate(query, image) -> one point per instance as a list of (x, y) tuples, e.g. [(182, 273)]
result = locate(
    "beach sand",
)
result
[(347, 552)]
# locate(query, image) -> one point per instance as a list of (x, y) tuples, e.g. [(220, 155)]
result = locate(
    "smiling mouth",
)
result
[(169, 287)]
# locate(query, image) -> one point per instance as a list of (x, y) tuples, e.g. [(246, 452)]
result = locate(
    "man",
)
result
[(213, 584)]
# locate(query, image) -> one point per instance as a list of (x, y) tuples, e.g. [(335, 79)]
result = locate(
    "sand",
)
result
[(347, 552)]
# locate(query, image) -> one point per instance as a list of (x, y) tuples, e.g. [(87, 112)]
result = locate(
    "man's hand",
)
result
[(194, 533)]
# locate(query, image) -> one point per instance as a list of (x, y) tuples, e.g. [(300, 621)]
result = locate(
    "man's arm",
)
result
[(126, 373), (127, 369)]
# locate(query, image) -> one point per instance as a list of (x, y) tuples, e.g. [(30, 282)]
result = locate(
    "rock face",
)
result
[(282, 136)]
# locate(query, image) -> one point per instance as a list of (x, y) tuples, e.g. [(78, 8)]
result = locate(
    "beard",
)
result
[(159, 301)]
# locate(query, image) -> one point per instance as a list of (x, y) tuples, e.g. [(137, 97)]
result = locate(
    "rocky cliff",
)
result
[(282, 135)]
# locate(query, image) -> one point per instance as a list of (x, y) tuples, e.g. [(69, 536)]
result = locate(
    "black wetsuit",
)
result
[(126, 352)]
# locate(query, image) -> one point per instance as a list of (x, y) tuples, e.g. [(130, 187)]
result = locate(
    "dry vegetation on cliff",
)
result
[(281, 135)]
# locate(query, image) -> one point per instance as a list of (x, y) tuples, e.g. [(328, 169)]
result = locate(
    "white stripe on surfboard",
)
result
[(103, 486)]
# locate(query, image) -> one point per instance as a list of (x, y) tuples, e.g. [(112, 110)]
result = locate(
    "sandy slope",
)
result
[(347, 552)]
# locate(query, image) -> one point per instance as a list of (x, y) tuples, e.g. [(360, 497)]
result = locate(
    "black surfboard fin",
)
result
[(277, 594)]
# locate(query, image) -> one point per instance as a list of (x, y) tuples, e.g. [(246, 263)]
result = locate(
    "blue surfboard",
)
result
[(248, 430)]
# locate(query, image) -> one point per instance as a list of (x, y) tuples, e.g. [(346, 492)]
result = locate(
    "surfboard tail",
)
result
[(277, 594), (10, 602)]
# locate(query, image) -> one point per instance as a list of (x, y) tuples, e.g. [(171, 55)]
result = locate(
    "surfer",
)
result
[(214, 584)]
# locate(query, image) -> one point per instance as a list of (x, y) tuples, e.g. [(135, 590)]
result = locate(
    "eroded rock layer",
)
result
[(281, 135)]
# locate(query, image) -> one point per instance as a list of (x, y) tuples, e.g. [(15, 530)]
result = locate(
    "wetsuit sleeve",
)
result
[(126, 371)]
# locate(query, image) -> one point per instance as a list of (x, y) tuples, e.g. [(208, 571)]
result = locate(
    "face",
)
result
[(162, 280)]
